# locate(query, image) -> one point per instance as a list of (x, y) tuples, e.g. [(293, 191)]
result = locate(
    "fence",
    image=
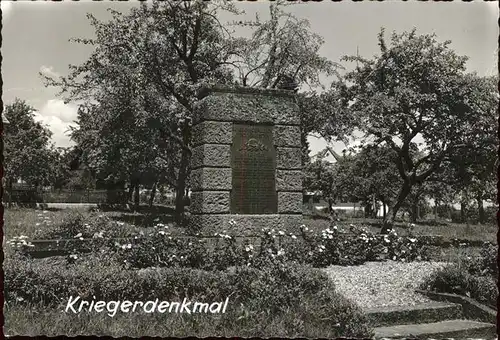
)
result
[(31, 195)]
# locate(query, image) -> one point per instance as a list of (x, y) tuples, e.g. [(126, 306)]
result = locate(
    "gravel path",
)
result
[(379, 284)]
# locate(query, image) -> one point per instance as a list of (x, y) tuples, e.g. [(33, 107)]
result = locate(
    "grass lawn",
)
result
[(486, 232)]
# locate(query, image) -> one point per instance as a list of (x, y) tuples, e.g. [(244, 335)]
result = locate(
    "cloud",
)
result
[(58, 117), (48, 71), (57, 108)]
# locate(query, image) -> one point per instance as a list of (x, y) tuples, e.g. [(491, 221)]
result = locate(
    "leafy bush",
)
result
[(161, 249), (300, 296), (456, 279), (486, 263), (87, 226)]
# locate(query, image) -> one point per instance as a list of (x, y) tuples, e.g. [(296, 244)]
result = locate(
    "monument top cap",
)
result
[(205, 91)]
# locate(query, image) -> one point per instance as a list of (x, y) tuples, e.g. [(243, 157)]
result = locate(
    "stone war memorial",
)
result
[(246, 161)]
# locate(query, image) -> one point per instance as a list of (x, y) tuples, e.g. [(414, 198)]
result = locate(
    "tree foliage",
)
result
[(29, 154), (416, 87), (141, 81)]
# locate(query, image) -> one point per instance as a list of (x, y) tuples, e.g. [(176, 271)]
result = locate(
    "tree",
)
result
[(322, 176), (373, 175), (141, 81), (415, 87), (282, 48), (144, 74), (29, 155)]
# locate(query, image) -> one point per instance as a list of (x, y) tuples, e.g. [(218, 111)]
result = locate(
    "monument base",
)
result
[(245, 225)]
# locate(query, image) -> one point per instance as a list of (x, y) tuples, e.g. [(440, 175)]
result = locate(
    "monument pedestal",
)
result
[(246, 161)]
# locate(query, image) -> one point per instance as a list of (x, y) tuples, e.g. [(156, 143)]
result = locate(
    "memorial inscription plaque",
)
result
[(253, 162)]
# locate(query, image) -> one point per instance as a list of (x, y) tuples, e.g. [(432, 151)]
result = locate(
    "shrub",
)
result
[(455, 279), (87, 225), (331, 246), (486, 263), (300, 297)]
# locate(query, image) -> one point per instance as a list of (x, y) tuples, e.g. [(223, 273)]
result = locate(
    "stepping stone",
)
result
[(426, 312), (438, 330)]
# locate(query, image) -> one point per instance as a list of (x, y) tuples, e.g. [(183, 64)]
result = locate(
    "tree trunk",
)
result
[(436, 209), (131, 190), (368, 210), (152, 196), (414, 211), (10, 192), (180, 190), (330, 206), (136, 195), (384, 207), (374, 210), (463, 208), (480, 205), (391, 214), (183, 174)]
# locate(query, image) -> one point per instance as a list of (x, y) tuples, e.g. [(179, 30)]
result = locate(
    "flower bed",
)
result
[(160, 247)]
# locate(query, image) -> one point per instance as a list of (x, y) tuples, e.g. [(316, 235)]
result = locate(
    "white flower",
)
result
[(281, 232), (412, 240), (335, 227), (248, 248), (294, 237), (73, 256), (37, 224), (281, 252), (78, 235), (161, 232), (120, 223)]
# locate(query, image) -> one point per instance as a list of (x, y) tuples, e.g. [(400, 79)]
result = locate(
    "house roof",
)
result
[(324, 152)]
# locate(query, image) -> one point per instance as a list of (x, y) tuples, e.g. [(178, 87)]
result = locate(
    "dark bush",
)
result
[(278, 292), (456, 279)]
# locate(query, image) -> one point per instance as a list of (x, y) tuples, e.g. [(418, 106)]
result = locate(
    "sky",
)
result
[(35, 39)]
